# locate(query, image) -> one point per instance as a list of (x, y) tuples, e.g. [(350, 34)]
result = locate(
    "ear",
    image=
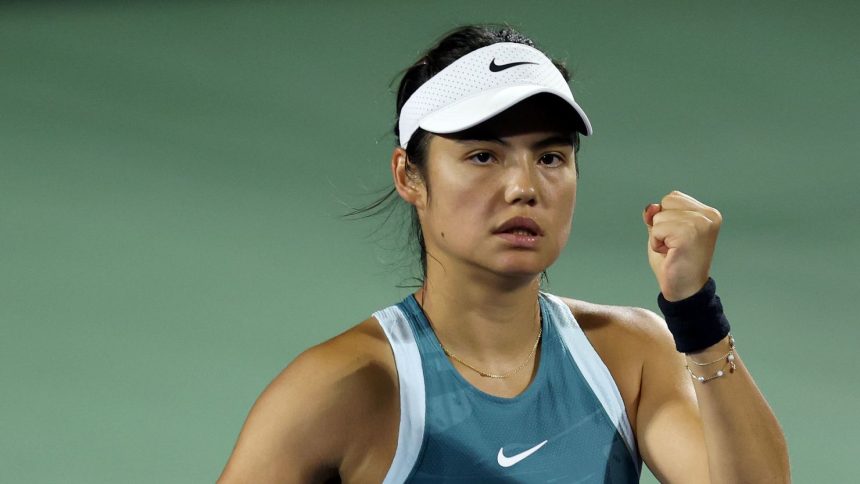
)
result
[(407, 181)]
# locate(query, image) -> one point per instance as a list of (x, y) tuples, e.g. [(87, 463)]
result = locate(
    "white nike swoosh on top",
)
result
[(509, 461)]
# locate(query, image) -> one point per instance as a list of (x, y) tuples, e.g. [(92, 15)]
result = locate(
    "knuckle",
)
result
[(718, 217)]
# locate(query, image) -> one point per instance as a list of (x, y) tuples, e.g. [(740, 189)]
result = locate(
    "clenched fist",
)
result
[(682, 235)]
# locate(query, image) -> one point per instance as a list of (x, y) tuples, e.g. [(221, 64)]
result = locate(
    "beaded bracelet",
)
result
[(729, 361)]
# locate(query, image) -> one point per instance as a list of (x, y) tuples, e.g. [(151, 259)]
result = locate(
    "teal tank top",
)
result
[(568, 426)]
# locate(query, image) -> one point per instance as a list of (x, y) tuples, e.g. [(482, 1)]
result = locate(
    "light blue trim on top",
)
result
[(412, 401), (594, 370)]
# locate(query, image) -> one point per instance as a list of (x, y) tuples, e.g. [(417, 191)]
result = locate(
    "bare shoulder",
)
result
[(313, 420), (624, 324), (661, 404), (625, 338)]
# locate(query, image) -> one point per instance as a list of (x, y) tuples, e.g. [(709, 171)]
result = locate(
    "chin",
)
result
[(520, 270)]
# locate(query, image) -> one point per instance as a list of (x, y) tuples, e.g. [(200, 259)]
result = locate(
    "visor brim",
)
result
[(474, 110)]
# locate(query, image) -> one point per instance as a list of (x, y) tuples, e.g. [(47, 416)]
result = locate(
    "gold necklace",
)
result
[(492, 375), (481, 372)]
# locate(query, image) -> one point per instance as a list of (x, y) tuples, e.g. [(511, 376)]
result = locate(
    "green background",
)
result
[(173, 175)]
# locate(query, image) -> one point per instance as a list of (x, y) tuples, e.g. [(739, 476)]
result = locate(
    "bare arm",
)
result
[(720, 431), (727, 418), (744, 439), (332, 414), (288, 435)]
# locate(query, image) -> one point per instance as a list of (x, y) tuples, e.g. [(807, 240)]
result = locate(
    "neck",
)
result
[(488, 320)]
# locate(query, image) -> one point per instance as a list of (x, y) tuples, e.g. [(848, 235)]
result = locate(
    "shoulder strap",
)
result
[(594, 370), (412, 402)]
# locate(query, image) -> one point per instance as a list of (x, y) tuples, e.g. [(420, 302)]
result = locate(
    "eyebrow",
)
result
[(553, 140)]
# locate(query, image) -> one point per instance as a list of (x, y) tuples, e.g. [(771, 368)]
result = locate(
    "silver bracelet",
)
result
[(729, 359)]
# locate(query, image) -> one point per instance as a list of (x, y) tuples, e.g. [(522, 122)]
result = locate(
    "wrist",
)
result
[(708, 354), (685, 290), (696, 322), (725, 361)]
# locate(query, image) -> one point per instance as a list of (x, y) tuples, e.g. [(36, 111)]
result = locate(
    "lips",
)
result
[(520, 225)]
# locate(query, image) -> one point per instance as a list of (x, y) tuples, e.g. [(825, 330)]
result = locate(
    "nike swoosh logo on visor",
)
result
[(500, 67), (509, 461)]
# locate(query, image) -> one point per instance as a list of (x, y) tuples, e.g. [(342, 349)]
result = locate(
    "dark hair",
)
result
[(452, 46)]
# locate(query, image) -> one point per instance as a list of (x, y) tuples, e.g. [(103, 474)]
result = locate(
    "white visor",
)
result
[(480, 85)]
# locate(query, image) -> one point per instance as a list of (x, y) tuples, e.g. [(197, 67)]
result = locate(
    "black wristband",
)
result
[(696, 322)]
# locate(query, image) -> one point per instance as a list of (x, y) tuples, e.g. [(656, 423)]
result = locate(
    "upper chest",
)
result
[(615, 347)]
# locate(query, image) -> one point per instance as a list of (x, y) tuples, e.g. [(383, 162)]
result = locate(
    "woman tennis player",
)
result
[(480, 376)]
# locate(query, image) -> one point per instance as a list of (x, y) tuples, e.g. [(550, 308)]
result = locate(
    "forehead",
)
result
[(539, 113)]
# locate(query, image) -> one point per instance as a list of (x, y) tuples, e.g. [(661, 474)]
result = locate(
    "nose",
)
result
[(521, 185)]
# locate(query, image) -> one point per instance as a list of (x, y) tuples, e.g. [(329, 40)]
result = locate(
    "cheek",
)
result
[(463, 212), (451, 210), (566, 208), (460, 198)]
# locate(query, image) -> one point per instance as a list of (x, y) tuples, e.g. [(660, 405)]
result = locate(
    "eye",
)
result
[(552, 159), (482, 158)]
